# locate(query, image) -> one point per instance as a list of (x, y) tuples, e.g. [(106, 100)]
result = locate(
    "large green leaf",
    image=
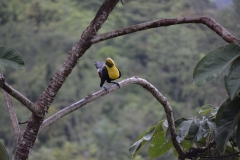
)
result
[(159, 127), (220, 111), (10, 57), (212, 65), (197, 130), (213, 128), (186, 144), (238, 135), (236, 119), (177, 123), (146, 136), (232, 81), (183, 129), (3, 153), (225, 126), (141, 141), (159, 146)]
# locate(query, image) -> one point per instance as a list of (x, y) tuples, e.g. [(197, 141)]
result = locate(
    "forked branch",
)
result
[(212, 24), (134, 80)]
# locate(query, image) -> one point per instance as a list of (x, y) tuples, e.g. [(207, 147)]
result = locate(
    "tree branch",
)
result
[(26, 102), (212, 24), (195, 152), (134, 80), (12, 114), (46, 98)]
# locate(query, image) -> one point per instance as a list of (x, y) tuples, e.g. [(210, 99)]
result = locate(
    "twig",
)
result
[(195, 152), (23, 122), (97, 95), (212, 24), (26, 102), (219, 157), (13, 116)]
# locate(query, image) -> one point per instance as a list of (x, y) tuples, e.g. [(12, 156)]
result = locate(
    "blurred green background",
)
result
[(44, 31)]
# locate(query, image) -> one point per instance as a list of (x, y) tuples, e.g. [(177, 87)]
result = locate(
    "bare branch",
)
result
[(97, 95), (26, 102), (12, 114), (212, 24)]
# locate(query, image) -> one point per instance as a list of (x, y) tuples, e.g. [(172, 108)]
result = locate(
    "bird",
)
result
[(107, 72)]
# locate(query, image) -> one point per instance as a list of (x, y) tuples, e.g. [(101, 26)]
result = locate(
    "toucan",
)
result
[(107, 72)]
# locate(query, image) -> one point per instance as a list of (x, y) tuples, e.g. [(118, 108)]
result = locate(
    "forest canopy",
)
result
[(43, 32)]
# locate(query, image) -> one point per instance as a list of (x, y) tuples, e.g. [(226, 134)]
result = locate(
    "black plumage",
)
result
[(103, 72)]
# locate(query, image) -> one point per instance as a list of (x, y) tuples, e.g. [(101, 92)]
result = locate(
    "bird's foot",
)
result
[(116, 84), (106, 89)]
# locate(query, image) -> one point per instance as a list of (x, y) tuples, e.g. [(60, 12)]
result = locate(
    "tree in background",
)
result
[(37, 122)]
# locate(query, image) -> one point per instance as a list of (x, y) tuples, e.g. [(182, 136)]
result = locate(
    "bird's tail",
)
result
[(99, 64)]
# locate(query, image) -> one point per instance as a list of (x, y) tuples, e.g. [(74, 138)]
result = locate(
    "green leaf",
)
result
[(175, 153), (206, 109), (212, 65), (220, 111), (165, 125), (146, 136), (186, 144), (214, 111), (183, 129), (232, 81), (149, 134), (159, 146), (236, 120), (201, 143), (225, 128), (177, 124), (230, 150), (10, 57), (213, 128), (238, 135), (198, 129), (134, 149), (3, 153), (159, 127), (141, 141)]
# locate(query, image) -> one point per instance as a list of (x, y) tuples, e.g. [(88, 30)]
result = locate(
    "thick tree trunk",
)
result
[(29, 136)]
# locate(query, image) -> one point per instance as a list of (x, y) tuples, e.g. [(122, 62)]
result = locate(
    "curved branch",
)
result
[(134, 80), (212, 24), (21, 98)]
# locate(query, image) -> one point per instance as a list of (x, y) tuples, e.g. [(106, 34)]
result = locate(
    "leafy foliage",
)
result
[(232, 81), (44, 32), (10, 57), (226, 123), (190, 131), (214, 63), (228, 115), (3, 152)]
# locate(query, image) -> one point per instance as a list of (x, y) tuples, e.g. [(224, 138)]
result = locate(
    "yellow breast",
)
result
[(113, 72)]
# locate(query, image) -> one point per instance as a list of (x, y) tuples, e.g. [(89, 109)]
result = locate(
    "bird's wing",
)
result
[(99, 65), (120, 74)]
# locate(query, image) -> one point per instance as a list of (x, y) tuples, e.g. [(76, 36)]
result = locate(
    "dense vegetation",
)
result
[(45, 31)]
